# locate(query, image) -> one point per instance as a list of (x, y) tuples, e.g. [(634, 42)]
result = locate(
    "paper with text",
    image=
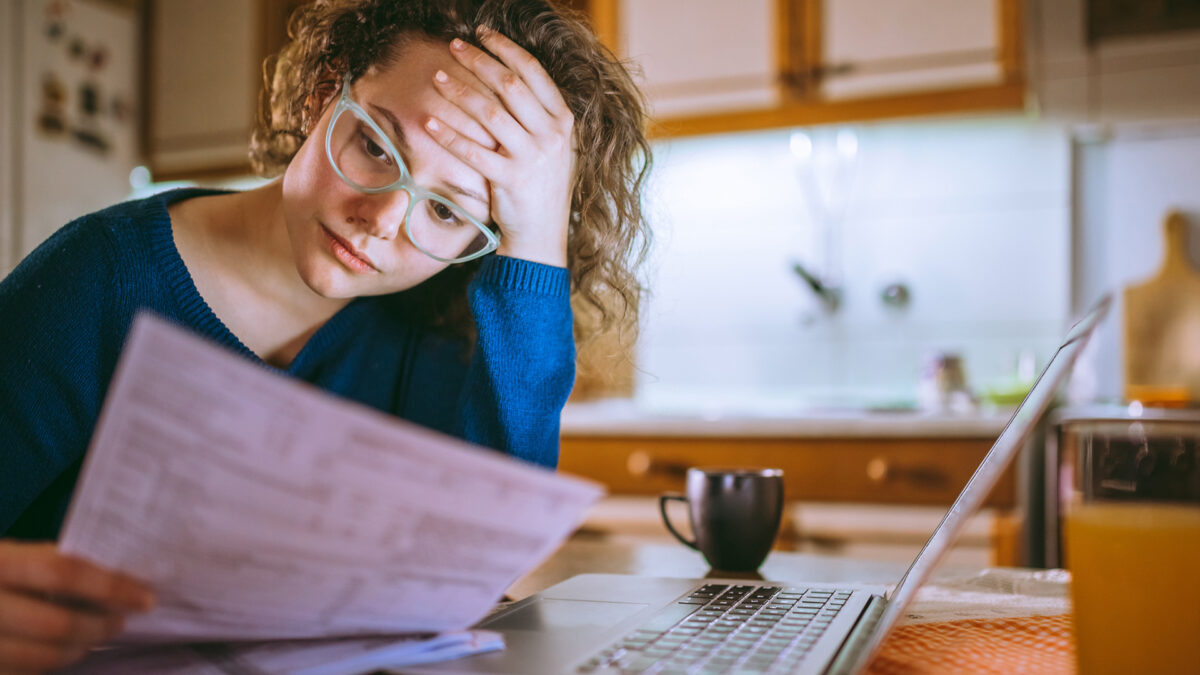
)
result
[(259, 507), (341, 656)]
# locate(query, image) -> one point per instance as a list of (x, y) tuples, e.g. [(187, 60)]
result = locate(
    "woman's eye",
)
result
[(445, 213), (374, 149)]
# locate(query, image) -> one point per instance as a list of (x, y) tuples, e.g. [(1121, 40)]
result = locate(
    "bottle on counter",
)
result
[(943, 385)]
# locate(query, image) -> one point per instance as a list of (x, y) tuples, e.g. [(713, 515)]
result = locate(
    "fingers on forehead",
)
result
[(514, 57), (464, 123), (467, 77)]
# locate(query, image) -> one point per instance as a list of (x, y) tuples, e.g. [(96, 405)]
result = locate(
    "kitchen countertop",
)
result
[(629, 417)]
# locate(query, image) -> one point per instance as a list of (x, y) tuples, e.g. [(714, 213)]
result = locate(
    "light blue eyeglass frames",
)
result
[(365, 158)]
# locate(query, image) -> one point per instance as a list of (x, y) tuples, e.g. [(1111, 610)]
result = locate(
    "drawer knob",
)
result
[(880, 471), (877, 470), (642, 465)]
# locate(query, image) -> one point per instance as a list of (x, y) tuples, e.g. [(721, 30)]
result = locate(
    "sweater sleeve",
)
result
[(53, 370), (523, 365)]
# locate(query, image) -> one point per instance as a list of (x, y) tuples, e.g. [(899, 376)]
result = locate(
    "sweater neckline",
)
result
[(195, 310)]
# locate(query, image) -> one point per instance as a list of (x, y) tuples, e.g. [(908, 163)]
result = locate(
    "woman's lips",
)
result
[(347, 254)]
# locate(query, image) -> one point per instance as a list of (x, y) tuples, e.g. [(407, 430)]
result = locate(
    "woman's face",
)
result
[(346, 243)]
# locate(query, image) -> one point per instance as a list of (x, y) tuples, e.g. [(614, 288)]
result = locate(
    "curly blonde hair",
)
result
[(607, 238)]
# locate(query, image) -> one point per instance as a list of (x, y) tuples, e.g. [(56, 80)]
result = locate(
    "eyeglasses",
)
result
[(365, 158)]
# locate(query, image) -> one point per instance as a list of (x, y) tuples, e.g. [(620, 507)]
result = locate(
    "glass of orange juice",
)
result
[(1133, 545)]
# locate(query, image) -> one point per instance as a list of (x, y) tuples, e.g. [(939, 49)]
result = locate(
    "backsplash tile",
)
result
[(971, 214)]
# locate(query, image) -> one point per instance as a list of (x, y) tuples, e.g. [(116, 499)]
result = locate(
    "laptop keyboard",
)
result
[(721, 628)]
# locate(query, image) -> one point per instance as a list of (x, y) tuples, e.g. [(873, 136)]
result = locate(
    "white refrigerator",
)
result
[(69, 111)]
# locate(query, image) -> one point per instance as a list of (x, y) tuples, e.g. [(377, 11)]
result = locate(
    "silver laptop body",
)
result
[(607, 623)]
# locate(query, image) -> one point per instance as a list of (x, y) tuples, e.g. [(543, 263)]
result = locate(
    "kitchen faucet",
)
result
[(830, 295)]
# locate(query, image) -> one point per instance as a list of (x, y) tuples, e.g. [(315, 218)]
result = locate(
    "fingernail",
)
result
[(432, 125), (483, 31), (441, 76), (458, 44)]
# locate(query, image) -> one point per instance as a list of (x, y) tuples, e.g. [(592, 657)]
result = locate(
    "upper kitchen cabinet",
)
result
[(203, 72), (868, 48), (202, 79), (703, 55), (1113, 61), (714, 66)]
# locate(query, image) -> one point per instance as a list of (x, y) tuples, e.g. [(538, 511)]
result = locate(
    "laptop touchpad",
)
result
[(552, 614)]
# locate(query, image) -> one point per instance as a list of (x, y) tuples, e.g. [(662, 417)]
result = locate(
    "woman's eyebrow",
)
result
[(403, 146)]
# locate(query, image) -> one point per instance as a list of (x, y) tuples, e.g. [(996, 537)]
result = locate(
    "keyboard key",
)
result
[(723, 629)]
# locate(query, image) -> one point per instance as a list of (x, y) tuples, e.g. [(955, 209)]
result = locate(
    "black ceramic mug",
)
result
[(734, 514)]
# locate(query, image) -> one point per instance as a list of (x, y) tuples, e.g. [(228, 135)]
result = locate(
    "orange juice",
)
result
[(1135, 586)]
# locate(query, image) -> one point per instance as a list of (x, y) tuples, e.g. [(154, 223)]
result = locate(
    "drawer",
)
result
[(928, 471)]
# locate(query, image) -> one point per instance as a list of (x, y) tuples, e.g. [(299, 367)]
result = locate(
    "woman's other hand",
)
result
[(54, 607), (532, 171)]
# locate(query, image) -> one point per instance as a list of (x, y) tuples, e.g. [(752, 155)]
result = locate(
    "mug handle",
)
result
[(662, 508)]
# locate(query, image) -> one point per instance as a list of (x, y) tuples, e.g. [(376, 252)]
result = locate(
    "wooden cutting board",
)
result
[(1162, 327)]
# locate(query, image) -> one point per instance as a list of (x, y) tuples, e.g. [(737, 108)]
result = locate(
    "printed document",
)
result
[(341, 656), (259, 507)]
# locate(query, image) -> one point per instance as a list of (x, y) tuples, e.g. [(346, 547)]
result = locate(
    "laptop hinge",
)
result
[(848, 655)]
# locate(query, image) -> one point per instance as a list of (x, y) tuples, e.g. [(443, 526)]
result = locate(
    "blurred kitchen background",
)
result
[(873, 222)]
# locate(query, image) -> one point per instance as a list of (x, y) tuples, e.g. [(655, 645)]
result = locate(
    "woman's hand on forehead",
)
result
[(460, 120), (531, 171)]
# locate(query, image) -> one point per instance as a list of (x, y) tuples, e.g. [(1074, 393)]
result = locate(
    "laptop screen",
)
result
[(1011, 440)]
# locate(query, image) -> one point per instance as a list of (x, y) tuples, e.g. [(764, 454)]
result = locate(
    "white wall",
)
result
[(1127, 182), (973, 214)]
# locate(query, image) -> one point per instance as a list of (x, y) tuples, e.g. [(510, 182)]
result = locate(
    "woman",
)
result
[(448, 173)]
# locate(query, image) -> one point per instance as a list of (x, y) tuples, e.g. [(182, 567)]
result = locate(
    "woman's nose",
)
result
[(381, 215)]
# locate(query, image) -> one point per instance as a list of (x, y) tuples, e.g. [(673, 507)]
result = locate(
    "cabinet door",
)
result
[(871, 48), (8, 38), (1113, 62), (929, 471), (702, 56), (203, 76)]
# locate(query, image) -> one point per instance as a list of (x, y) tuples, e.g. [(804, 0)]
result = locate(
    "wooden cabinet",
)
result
[(202, 78), (712, 66), (867, 48), (703, 55), (203, 72), (708, 66), (930, 471), (1107, 61), (860, 471), (8, 157)]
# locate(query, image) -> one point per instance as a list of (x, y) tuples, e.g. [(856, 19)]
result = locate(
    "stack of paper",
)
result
[(260, 508), (340, 656)]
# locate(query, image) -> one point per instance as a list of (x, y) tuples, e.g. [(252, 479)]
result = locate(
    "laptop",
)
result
[(611, 623)]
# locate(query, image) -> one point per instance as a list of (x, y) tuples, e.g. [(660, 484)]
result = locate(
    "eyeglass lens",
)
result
[(435, 224)]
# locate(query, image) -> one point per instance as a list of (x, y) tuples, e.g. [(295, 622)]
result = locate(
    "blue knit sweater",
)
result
[(66, 309)]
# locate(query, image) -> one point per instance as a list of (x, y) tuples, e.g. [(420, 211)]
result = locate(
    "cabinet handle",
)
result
[(642, 465), (880, 471), (877, 470), (810, 76)]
